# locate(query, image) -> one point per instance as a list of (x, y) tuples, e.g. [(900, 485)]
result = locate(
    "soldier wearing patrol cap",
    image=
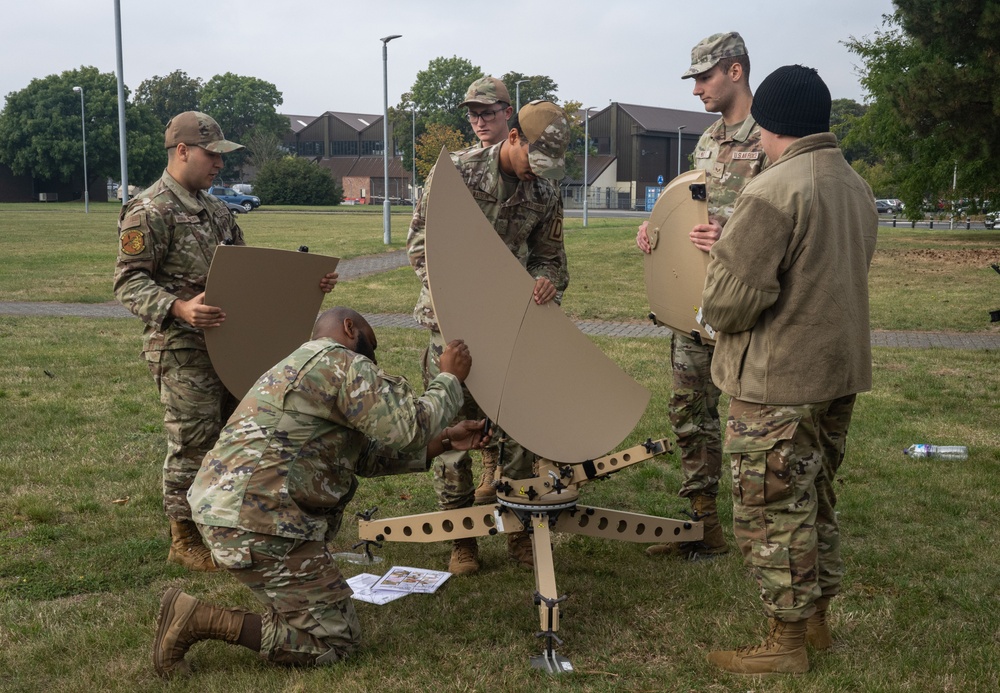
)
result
[(730, 153), (167, 237), (489, 107), (511, 182)]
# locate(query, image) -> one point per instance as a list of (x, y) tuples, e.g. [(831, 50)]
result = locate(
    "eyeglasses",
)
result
[(486, 116)]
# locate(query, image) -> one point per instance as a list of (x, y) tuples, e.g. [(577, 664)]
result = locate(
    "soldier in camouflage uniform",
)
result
[(271, 494), (167, 237), (787, 291), (730, 154), (509, 183), (489, 107)]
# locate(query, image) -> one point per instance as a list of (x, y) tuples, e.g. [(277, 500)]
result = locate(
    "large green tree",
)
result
[(536, 87), (843, 115), (242, 105), (40, 130), (931, 73), (167, 96), (433, 99)]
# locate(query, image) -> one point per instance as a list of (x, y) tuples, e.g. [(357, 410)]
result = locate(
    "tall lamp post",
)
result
[(586, 157), (413, 154), (83, 130), (387, 233), (679, 128), (122, 144), (517, 90)]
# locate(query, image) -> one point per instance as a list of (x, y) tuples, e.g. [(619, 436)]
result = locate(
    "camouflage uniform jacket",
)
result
[(729, 160), (167, 238), (530, 223), (285, 464)]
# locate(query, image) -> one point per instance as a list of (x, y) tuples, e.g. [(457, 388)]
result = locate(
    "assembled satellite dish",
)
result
[(675, 268), (548, 386), (271, 299), (533, 372)]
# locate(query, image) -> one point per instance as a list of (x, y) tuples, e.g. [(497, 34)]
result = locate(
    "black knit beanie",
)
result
[(792, 100)]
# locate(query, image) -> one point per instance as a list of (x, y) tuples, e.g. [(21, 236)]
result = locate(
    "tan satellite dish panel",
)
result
[(533, 371), (675, 269), (271, 299)]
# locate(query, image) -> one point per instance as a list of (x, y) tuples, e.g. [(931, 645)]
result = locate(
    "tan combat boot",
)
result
[(520, 550), (817, 629), (782, 652), (183, 621), (187, 549), (486, 493), (713, 542), (464, 557)]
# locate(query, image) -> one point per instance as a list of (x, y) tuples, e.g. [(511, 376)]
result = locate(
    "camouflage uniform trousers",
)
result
[(784, 461), (310, 618), (452, 471), (197, 406), (694, 415)]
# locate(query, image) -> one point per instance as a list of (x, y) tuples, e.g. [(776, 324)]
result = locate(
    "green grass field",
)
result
[(83, 538)]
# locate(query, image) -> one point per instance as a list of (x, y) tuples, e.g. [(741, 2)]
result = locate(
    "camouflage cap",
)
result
[(486, 91), (197, 129), (546, 129), (711, 50)]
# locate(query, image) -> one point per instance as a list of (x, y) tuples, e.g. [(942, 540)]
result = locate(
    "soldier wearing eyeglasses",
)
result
[(489, 107), (512, 182)]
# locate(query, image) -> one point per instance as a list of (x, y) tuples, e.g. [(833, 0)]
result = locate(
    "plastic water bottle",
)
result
[(940, 452)]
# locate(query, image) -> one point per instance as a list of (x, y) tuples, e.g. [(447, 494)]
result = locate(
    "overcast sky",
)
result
[(328, 56)]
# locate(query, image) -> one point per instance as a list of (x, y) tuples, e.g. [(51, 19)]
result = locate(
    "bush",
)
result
[(295, 181)]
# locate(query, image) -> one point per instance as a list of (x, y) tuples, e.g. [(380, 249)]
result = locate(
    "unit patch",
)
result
[(133, 242), (556, 230)]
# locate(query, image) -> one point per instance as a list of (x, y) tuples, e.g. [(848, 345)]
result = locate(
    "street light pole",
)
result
[(517, 90), (679, 128), (413, 155), (387, 233), (122, 144), (586, 157), (83, 131)]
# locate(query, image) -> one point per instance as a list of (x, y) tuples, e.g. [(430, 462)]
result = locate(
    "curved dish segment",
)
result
[(533, 372), (675, 269)]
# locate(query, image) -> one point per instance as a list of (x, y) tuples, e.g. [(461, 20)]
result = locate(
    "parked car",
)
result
[(234, 208), (992, 219), (889, 206), (247, 202)]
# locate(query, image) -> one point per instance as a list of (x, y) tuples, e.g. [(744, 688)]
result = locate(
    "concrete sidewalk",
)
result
[(384, 262), (910, 340)]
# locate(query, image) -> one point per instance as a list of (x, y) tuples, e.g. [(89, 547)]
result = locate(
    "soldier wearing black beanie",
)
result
[(786, 290), (793, 100)]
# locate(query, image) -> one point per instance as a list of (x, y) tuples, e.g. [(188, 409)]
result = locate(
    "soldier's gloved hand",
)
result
[(642, 238), (456, 359), (468, 435)]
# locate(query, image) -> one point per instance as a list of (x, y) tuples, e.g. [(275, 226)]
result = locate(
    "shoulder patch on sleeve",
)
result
[(132, 236), (133, 242), (556, 230)]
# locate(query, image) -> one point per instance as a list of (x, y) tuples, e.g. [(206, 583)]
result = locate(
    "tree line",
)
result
[(931, 116)]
